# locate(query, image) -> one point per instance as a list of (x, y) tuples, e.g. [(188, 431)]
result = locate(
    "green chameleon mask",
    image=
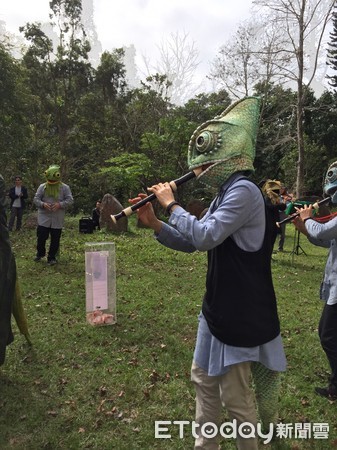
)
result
[(227, 143), (52, 186)]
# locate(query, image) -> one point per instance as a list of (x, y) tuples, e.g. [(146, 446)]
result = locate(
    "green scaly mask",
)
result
[(52, 186), (226, 143)]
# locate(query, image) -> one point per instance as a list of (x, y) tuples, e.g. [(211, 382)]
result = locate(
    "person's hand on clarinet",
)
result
[(303, 214), (163, 192), (146, 213)]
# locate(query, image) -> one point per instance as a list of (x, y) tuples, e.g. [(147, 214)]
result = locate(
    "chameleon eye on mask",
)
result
[(226, 143), (52, 186)]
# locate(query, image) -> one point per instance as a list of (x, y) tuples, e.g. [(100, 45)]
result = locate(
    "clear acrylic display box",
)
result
[(100, 283)]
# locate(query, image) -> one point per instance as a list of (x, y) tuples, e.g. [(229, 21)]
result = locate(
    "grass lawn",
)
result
[(103, 388)]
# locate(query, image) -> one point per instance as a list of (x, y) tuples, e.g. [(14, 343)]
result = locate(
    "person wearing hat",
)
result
[(325, 235), (272, 190), (239, 331), (51, 199)]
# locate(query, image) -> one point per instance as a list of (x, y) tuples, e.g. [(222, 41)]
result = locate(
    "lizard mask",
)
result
[(226, 144), (52, 186)]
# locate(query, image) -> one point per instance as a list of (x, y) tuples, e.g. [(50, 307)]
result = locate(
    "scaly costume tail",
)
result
[(267, 390)]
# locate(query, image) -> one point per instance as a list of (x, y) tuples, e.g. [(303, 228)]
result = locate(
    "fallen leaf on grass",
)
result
[(146, 394), (133, 362), (103, 391), (154, 376), (103, 402)]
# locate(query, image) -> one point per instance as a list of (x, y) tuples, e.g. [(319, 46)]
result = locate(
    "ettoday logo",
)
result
[(227, 430), (246, 430)]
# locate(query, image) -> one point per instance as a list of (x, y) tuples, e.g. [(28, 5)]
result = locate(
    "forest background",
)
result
[(57, 107), (87, 388)]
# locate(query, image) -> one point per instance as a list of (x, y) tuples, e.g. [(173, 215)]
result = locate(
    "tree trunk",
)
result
[(300, 105), (300, 143)]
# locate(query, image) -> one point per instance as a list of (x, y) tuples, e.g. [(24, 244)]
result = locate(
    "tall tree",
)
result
[(252, 55), (332, 50), (277, 131), (299, 19), (323, 125), (14, 112), (59, 78), (178, 61)]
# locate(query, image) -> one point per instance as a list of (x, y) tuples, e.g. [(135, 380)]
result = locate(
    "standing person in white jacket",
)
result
[(51, 198), (325, 235)]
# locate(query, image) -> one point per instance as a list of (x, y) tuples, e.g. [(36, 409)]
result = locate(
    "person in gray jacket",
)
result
[(325, 235), (51, 198)]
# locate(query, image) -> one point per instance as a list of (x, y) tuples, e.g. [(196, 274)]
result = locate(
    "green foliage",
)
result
[(55, 107), (277, 132), (105, 387), (323, 123), (316, 165), (14, 125), (110, 75), (126, 173), (59, 78), (204, 107)]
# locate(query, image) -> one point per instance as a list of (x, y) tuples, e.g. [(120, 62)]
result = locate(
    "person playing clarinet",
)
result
[(239, 332), (325, 235)]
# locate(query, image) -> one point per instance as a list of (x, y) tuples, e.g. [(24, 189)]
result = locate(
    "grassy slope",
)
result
[(103, 388)]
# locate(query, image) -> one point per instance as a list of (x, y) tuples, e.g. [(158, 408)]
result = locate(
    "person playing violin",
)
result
[(325, 235)]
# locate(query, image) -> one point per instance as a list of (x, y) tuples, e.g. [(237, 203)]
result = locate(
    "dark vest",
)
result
[(240, 304)]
